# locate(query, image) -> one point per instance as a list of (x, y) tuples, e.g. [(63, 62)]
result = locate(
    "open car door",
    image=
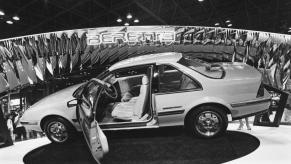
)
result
[(94, 136)]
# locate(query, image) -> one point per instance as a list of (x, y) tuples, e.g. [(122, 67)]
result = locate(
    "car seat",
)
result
[(130, 110), (140, 104)]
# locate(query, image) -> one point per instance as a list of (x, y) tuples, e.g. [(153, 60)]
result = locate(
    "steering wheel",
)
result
[(111, 92)]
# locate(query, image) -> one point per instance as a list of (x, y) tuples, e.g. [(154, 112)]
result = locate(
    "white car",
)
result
[(153, 91)]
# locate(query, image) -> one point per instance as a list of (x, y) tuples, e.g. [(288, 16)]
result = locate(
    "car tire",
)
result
[(207, 122), (59, 130)]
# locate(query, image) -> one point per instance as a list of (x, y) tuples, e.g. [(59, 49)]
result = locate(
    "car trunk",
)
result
[(240, 71)]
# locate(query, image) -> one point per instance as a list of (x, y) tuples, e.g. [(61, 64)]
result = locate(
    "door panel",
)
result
[(98, 141), (170, 107), (94, 136), (175, 91)]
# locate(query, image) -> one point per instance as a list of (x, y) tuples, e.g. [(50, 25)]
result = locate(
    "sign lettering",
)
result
[(130, 37)]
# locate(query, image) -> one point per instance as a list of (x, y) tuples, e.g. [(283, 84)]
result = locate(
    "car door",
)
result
[(129, 84), (172, 92), (95, 138)]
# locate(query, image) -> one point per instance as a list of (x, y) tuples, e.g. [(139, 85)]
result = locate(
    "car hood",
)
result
[(240, 71), (57, 98)]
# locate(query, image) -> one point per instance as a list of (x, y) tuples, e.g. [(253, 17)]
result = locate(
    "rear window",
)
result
[(214, 71)]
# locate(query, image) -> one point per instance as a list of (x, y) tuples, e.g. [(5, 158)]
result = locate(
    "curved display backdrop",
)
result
[(38, 58)]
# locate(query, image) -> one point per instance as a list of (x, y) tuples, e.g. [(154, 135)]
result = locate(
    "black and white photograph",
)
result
[(145, 81)]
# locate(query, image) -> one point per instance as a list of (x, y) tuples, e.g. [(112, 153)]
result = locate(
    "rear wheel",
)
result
[(59, 130), (207, 122)]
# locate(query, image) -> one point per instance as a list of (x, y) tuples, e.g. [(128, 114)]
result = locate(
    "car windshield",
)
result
[(215, 71), (77, 93)]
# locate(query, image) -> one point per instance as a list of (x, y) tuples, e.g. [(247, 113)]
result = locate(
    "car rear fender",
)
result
[(213, 101)]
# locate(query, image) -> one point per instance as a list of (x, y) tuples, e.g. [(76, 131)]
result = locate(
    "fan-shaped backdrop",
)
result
[(41, 58)]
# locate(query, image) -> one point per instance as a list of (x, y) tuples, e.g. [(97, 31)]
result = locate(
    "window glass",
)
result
[(171, 79), (87, 99), (90, 92)]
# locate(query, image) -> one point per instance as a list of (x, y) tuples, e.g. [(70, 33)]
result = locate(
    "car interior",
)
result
[(132, 103), (173, 80), (133, 87)]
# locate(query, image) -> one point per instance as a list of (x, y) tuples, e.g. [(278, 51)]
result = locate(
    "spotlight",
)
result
[(9, 22), (2, 13), (227, 21), (126, 24), (216, 24), (119, 20), (200, 0), (136, 20), (16, 18), (229, 25), (128, 16)]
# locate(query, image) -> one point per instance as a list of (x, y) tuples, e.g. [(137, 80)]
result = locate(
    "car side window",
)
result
[(172, 80), (87, 100)]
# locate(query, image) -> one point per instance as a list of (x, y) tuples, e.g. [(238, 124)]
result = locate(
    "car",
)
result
[(167, 89)]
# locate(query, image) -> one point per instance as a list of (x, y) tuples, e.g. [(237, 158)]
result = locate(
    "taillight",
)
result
[(261, 91)]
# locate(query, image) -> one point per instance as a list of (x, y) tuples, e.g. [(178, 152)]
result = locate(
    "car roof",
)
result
[(158, 58)]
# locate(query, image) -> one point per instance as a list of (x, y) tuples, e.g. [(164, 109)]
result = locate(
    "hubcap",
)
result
[(208, 123), (58, 131)]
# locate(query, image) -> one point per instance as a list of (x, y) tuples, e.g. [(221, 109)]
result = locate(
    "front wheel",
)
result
[(59, 130), (207, 122)]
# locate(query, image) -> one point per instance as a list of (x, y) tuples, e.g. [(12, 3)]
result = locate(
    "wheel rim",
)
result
[(208, 123), (58, 131)]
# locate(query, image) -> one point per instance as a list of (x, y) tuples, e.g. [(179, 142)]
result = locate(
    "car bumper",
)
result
[(31, 125), (250, 108)]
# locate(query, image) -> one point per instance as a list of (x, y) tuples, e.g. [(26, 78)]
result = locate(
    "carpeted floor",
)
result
[(151, 146)]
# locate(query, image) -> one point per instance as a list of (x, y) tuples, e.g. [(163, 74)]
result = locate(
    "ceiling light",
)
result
[(216, 24), (16, 18), (129, 16), (227, 21), (2, 13), (229, 25), (200, 0), (289, 28), (136, 20), (9, 22), (126, 24), (119, 20)]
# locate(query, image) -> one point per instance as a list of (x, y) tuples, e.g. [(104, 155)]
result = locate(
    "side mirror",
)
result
[(72, 103)]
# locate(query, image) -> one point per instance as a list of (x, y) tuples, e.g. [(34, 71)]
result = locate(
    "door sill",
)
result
[(131, 128)]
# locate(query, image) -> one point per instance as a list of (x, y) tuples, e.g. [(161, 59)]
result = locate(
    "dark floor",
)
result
[(152, 146)]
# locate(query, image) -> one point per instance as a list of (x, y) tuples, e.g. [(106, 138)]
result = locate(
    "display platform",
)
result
[(166, 145), (275, 145)]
